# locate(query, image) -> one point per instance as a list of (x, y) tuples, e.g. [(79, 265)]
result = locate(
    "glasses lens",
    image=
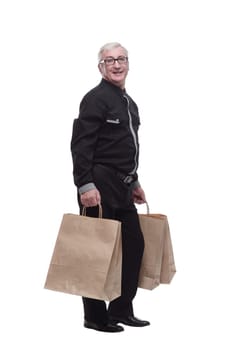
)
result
[(109, 61), (122, 59)]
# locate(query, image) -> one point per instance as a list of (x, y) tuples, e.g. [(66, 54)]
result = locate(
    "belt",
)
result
[(127, 179)]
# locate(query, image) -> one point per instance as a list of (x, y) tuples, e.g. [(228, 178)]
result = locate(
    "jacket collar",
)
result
[(112, 86)]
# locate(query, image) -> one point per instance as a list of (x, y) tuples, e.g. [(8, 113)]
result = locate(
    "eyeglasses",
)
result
[(109, 61)]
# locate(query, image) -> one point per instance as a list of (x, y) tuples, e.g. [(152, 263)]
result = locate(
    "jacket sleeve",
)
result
[(84, 139)]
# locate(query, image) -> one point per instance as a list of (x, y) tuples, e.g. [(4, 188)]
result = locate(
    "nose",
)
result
[(116, 63)]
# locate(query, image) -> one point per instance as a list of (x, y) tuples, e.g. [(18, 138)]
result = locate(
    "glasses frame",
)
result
[(105, 60)]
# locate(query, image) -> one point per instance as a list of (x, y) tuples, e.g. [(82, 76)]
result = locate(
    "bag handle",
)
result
[(84, 211), (147, 208)]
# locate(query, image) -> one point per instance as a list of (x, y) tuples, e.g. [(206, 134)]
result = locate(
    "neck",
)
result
[(120, 84)]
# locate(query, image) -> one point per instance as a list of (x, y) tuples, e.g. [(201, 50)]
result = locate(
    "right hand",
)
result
[(90, 198)]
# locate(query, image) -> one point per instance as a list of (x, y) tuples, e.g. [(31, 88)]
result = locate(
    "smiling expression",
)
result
[(115, 73)]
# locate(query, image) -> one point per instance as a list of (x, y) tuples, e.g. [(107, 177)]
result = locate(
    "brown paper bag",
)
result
[(158, 264), (87, 258)]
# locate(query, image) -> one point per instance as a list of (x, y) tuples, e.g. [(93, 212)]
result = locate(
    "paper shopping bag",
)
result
[(87, 258), (158, 264)]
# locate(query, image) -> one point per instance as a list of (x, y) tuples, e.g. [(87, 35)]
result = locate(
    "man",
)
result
[(105, 150)]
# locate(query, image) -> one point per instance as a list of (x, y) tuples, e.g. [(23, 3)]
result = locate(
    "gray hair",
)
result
[(110, 46)]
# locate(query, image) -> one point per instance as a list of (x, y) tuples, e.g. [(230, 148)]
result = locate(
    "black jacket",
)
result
[(106, 133)]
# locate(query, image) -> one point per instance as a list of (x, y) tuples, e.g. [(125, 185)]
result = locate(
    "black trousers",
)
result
[(124, 210)]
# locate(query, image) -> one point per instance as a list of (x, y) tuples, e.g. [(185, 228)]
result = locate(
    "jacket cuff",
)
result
[(87, 187), (135, 184)]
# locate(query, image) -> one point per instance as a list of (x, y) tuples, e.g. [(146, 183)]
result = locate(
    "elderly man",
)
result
[(105, 153)]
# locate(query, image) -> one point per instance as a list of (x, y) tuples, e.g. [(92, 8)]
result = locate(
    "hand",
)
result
[(139, 195), (90, 198)]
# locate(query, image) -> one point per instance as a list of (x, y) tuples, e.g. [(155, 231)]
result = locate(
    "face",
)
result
[(115, 73)]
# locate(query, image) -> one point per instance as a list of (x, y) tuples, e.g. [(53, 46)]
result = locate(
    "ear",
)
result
[(100, 66)]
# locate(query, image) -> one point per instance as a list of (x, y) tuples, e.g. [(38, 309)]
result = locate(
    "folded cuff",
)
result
[(135, 184), (87, 187)]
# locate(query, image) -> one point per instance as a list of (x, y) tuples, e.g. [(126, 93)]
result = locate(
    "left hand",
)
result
[(139, 195)]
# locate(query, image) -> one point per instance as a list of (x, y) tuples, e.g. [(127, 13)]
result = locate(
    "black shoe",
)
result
[(129, 321), (109, 327)]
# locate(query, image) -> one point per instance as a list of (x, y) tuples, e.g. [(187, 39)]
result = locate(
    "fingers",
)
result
[(139, 201), (139, 196), (90, 198)]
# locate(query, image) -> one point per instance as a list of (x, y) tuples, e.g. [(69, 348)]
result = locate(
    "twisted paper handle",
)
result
[(84, 211), (147, 208)]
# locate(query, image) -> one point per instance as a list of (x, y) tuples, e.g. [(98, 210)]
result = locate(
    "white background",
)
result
[(181, 78)]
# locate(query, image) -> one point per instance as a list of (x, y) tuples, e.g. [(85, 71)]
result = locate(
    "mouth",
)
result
[(117, 72)]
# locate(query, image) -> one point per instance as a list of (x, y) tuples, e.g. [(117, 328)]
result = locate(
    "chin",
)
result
[(118, 83)]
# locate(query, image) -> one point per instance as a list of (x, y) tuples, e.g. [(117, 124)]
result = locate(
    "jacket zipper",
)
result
[(134, 136)]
